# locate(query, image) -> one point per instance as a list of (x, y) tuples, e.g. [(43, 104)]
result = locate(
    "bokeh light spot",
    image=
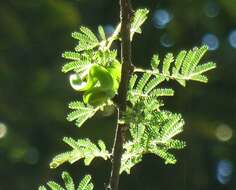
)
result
[(232, 38), (211, 41), (109, 30), (161, 18), (224, 133), (166, 41), (3, 130), (32, 156), (17, 153), (211, 9), (224, 171)]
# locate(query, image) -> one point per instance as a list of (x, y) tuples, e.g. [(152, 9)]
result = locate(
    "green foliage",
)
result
[(146, 88), (87, 39), (139, 18), (96, 73), (153, 130), (185, 67), (82, 148), (99, 84), (79, 64), (85, 183), (96, 70), (101, 33), (80, 113)]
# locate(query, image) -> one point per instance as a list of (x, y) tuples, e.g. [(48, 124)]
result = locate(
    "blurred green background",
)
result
[(34, 93)]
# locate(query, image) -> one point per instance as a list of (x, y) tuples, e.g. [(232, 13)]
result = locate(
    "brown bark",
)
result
[(127, 69)]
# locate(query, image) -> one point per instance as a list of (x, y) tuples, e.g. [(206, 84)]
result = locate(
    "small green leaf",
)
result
[(199, 53), (187, 62), (102, 145), (200, 78), (87, 39), (42, 188), (182, 82), (139, 18), (179, 61), (71, 55), (169, 158), (68, 181), (175, 144), (166, 64), (162, 92), (54, 186), (155, 62), (89, 33), (82, 148), (132, 82), (81, 113), (101, 33), (143, 81), (153, 84), (172, 127), (204, 68), (85, 184)]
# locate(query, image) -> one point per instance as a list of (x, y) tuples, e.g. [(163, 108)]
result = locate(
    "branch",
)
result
[(127, 69)]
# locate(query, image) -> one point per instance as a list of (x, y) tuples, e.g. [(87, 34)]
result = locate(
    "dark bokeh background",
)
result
[(34, 93)]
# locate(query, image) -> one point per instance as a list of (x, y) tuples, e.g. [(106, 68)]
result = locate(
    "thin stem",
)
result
[(173, 76), (106, 44), (127, 69), (113, 37)]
